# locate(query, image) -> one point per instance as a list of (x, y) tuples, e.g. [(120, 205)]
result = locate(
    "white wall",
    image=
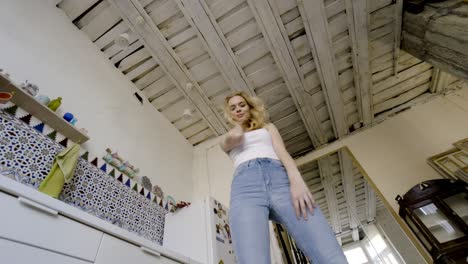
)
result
[(212, 172), (393, 153), (40, 44)]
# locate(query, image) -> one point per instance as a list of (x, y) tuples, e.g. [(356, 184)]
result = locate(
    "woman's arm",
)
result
[(232, 138), (301, 196)]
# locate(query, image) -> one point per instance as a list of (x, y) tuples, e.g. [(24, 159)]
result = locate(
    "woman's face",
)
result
[(239, 109)]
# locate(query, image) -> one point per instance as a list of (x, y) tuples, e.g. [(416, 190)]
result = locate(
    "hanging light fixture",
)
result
[(187, 114), (122, 41)]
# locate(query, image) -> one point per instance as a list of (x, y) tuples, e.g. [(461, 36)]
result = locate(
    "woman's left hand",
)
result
[(301, 197)]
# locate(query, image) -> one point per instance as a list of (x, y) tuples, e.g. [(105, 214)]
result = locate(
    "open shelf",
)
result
[(42, 112)]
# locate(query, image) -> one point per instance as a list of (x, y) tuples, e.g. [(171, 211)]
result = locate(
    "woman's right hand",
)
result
[(233, 138), (237, 129)]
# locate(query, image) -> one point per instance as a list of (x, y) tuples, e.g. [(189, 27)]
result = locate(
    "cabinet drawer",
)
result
[(114, 250), (12, 252), (41, 228)]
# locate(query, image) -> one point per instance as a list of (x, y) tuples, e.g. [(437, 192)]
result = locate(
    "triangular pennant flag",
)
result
[(85, 155), (59, 137), (39, 127), (64, 142), (142, 191), (167, 206), (52, 135), (26, 119), (95, 162), (148, 196), (127, 183), (35, 121), (21, 113), (135, 187), (120, 178), (160, 203), (104, 167), (112, 173), (11, 110), (155, 199), (47, 129)]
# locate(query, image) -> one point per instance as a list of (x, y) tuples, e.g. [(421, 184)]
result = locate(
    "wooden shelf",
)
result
[(42, 112)]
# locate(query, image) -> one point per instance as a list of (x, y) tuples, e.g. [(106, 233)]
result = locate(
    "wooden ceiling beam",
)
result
[(269, 21), (397, 36), (316, 26), (200, 17), (328, 183), (358, 20), (347, 177), (139, 21), (439, 81), (371, 202)]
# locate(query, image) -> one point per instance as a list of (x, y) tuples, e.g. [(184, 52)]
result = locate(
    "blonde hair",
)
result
[(258, 115)]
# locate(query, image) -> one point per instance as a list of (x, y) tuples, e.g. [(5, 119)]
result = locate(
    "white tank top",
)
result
[(257, 144)]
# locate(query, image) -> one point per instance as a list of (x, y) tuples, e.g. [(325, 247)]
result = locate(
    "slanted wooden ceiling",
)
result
[(323, 67), (342, 193)]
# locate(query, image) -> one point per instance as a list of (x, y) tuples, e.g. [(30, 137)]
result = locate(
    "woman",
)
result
[(268, 186)]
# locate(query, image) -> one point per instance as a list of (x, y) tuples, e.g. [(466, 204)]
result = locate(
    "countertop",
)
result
[(15, 188)]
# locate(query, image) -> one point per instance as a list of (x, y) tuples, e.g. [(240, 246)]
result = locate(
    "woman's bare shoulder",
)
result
[(270, 126)]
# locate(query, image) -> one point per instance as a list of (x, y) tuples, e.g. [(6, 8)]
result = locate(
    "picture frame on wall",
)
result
[(462, 145), (452, 164)]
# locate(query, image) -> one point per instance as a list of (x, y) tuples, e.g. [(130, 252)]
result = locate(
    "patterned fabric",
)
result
[(27, 154)]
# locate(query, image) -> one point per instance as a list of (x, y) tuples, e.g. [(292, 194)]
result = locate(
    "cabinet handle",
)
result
[(38, 206), (150, 251)]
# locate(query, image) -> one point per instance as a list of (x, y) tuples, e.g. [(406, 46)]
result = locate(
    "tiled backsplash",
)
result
[(27, 155)]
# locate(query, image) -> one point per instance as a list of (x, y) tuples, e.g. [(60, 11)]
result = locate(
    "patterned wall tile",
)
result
[(27, 154)]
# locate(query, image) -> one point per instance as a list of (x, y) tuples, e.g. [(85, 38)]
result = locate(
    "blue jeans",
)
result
[(260, 191)]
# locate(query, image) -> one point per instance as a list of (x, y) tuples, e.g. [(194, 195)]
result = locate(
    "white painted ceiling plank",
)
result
[(142, 68), (101, 23), (74, 8), (116, 57), (159, 13), (402, 87), (402, 76), (233, 21), (149, 78), (402, 98), (133, 59), (111, 35)]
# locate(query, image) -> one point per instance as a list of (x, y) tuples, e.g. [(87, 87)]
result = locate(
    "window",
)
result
[(373, 249)]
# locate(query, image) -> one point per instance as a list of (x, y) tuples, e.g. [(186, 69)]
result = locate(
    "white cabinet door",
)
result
[(114, 250), (23, 222), (17, 253)]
